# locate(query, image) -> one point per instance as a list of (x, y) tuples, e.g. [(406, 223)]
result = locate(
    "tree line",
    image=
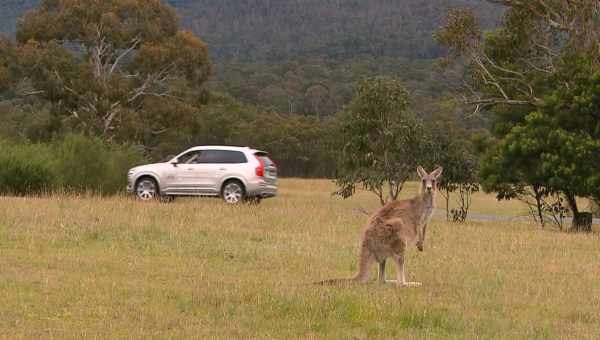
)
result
[(517, 112)]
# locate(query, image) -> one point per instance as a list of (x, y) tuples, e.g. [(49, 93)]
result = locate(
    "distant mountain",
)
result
[(306, 56), (279, 30), (273, 30)]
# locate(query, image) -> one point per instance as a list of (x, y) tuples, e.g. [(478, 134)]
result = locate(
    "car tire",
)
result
[(233, 192), (146, 189)]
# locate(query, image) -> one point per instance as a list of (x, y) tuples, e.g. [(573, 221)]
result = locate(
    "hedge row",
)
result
[(73, 164)]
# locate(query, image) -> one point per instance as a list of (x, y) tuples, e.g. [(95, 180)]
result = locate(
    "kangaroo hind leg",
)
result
[(400, 276), (382, 271)]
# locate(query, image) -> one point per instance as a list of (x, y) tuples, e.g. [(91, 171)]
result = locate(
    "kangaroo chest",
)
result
[(427, 213)]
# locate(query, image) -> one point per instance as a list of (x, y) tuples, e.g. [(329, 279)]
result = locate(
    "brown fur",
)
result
[(392, 229)]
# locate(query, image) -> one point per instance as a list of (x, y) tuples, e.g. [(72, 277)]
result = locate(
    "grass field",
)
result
[(116, 268)]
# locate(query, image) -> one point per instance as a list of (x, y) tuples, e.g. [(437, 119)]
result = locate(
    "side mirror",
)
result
[(175, 162)]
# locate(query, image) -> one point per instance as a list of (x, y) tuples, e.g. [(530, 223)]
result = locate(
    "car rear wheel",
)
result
[(146, 189), (233, 192)]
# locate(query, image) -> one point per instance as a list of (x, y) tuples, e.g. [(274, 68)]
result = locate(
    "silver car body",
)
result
[(207, 179)]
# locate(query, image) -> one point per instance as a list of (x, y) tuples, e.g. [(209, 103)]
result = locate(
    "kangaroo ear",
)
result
[(437, 172), (422, 173)]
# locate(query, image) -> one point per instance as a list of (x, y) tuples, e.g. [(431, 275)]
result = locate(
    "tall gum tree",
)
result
[(537, 76), (105, 63)]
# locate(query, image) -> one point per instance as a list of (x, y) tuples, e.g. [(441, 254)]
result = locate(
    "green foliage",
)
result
[(382, 141), (24, 121), (558, 145), (275, 31), (461, 32), (323, 86), (104, 65), (454, 150), (67, 49), (74, 164), (89, 164), (7, 64), (295, 57), (539, 75), (25, 169), (302, 146)]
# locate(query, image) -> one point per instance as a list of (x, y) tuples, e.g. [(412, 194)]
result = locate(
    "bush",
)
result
[(25, 169), (89, 164), (73, 164)]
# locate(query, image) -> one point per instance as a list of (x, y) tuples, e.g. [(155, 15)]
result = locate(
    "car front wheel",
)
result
[(146, 189), (233, 192)]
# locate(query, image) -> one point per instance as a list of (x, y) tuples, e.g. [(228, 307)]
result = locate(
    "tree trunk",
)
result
[(538, 203), (582, 222), (447, 205), (595, 207)]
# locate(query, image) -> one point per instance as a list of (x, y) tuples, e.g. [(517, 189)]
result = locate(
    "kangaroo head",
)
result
[(429, 180)]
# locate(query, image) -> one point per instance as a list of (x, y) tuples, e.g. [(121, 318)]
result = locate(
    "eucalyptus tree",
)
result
[(383, 142), (537, 75), (107, 65)]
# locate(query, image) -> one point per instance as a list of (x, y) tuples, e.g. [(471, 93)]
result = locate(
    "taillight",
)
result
[(260, 170)]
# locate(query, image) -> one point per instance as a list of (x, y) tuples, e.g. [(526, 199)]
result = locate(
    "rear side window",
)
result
[(264, 158), (222, 157)]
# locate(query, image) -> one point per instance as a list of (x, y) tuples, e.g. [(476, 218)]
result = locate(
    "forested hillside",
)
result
[(267, 30), (281, 70), (280, 30), (305, 56)]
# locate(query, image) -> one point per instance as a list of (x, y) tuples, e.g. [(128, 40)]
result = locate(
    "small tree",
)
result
[(383, 142), (455, 151)]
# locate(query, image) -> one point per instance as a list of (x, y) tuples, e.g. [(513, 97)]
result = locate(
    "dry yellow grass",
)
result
[(116, 268)]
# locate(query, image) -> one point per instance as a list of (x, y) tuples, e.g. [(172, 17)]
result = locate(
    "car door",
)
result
[(186, 177), (212, 167)]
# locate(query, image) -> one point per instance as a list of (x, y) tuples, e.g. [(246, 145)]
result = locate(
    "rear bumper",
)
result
[(261, 189)]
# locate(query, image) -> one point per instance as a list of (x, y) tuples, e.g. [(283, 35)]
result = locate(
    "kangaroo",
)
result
[(392, 229)]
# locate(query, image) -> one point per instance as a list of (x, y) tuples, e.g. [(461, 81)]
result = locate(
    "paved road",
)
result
[(491, 218)]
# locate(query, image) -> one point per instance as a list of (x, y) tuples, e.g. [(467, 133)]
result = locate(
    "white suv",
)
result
[(234, 173)]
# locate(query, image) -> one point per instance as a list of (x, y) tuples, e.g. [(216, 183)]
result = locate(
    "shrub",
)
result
[(89, 164), (74, 164), (25, 169)]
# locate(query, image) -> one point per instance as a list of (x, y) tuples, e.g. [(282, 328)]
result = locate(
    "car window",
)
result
[(189, 158), (264, 158), (222, 157)]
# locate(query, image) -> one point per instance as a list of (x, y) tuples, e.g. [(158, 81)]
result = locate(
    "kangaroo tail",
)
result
[(365, 260), (336, 282)]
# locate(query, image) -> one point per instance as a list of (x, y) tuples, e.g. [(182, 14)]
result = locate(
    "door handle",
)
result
[(191, 169), (222, 169)]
